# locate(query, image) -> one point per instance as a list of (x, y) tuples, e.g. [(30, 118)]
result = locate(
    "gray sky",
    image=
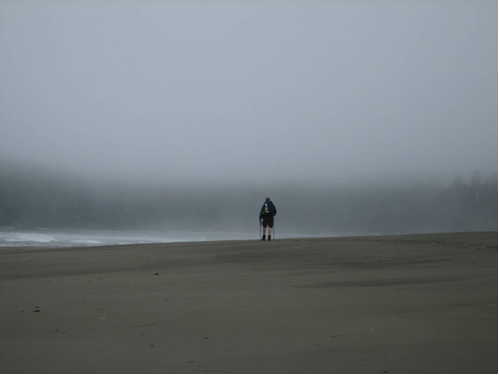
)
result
[(216, 91)]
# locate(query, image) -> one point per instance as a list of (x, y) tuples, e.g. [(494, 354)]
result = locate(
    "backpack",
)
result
[(268, 209)]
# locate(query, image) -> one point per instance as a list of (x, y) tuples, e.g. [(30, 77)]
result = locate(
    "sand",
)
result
[(394, 304)]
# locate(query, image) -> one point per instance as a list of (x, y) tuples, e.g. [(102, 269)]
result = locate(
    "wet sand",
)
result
[(395, 304)]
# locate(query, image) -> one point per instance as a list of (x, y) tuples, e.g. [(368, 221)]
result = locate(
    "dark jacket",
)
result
[(271, 211)]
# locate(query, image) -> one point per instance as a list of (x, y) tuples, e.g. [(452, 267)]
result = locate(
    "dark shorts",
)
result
[(268, 221)]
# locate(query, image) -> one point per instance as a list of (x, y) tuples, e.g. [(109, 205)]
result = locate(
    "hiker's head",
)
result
[(267, 199)]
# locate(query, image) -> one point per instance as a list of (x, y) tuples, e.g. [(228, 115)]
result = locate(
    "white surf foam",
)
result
[(88, 242), (30, 237)]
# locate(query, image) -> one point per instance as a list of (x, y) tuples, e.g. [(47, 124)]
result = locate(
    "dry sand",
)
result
[(397, 304)]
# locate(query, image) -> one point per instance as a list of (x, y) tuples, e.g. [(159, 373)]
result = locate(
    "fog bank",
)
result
[(33, 198), (278, 92)]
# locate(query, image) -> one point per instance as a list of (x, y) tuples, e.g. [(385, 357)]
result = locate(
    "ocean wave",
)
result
[(29, 237)]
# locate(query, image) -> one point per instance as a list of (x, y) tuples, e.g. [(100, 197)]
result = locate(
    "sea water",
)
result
[(72, 238), (64, 238)]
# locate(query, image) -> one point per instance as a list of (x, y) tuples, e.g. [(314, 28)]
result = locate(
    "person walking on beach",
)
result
[(266, 219)]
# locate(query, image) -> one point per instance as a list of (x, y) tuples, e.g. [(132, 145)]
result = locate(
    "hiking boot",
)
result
[(263, 237), (270, 237)]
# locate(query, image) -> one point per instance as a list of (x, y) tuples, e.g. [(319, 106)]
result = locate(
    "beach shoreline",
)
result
[(424, 303)]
